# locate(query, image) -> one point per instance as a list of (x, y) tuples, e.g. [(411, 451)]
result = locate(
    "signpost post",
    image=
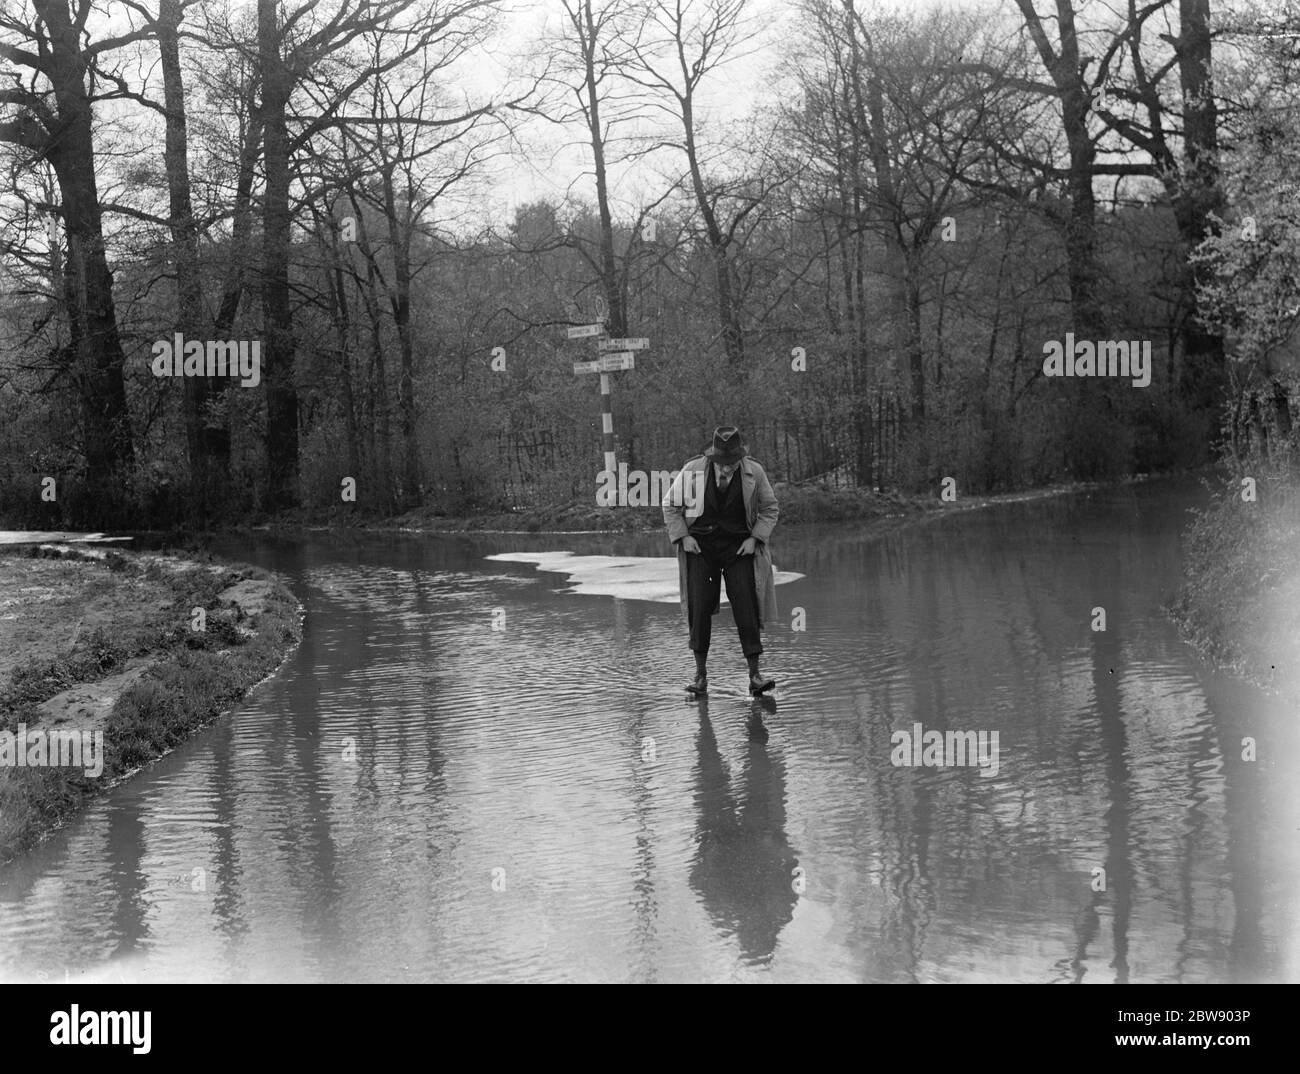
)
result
[(615, 355)]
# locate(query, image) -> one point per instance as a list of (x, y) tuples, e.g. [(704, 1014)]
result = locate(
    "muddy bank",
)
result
[(109, 659)]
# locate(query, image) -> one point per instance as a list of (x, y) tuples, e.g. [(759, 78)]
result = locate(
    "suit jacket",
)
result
[(685, 502)]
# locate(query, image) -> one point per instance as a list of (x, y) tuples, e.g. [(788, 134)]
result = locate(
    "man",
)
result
[(720, 512)]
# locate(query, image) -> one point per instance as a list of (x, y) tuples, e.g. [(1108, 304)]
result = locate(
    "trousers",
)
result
[(706, 571)]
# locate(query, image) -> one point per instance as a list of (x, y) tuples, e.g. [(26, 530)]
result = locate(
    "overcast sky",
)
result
[(556, 162)]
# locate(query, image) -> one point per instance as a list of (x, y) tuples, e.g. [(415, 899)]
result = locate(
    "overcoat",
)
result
[(685, 502)]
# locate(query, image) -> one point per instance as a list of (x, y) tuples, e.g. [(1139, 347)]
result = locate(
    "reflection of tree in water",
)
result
[(744, 863), (907, 807), (1235, 713), (128, 880), (1107, 653)]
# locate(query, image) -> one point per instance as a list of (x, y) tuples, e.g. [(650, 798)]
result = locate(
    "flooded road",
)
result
[(476, 769)]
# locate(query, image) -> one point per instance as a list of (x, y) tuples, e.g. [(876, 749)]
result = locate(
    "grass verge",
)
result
[(190, 676), (1240, 602)]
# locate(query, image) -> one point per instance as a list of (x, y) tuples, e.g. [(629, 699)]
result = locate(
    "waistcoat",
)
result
[(724, 510)]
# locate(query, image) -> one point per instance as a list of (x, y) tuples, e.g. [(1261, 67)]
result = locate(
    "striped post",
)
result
[(607, 422)]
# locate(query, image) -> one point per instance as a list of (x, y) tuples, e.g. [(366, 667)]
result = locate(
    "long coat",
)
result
[(685, 502)]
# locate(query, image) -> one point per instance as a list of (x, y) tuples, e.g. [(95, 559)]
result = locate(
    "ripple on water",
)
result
[(418, 795)]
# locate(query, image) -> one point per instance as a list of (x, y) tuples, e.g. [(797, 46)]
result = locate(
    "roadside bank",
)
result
[(110, 658), (1240, 604)]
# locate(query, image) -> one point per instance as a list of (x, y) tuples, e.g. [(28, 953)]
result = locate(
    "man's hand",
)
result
[(748, 548), (690, 544)]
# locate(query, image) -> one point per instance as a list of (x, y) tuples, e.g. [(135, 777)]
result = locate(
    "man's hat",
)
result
[(727, 445)]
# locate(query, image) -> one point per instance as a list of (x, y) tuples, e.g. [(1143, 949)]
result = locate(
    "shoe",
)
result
[(760, 684), (699, 686)]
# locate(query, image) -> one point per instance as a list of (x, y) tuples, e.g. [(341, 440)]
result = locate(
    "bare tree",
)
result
[(393, 31), (1190, 175), (588, 57), (1067, 69), (208, 463), (891, 122), (677, 46), (52, 120)]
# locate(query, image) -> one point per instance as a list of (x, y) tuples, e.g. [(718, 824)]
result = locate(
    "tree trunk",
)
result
[(733, 339), (610, 282), (89, 283), (278, 350), (216, 434), (1204, 375), (381, 413), (341, 316), (399, 236), (206, 479), (869, 123), (1087, 317)]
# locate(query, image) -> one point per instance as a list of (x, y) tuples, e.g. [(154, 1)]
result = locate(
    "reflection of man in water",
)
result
[(743, 867), (720, 513)]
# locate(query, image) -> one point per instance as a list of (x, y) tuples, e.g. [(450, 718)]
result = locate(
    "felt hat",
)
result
[(727, 446)]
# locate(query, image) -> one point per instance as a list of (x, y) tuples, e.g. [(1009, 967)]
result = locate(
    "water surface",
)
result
[(453, 777)]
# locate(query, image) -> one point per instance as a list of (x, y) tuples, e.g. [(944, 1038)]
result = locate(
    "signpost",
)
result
[(607, 363), (614, 363), (615, 356)]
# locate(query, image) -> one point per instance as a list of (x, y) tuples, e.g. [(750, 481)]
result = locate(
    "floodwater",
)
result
[(480, 769)]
